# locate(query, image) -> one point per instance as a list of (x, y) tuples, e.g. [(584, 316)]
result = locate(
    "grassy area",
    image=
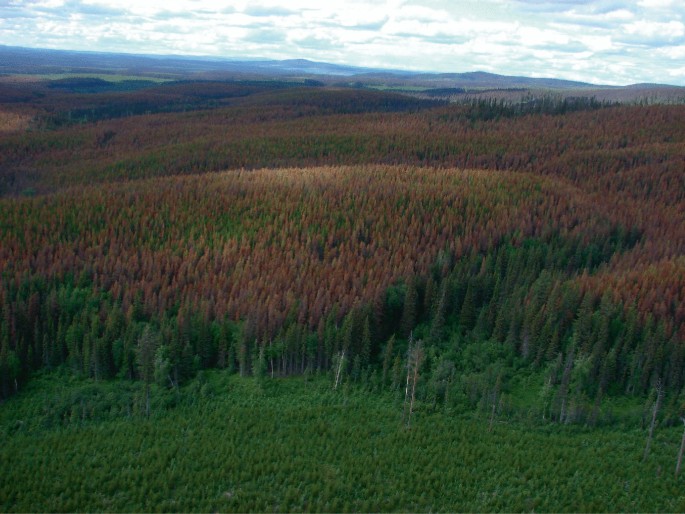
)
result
[(225, 443)]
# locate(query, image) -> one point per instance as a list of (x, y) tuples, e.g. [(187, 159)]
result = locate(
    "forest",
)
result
[(493, 261)]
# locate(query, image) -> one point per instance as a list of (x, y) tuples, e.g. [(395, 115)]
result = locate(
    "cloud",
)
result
[(264, 11), (269, 37), (610, 41), (653, 33), (658, 4)]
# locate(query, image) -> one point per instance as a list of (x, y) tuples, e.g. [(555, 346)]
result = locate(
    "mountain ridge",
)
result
[(23, 60)]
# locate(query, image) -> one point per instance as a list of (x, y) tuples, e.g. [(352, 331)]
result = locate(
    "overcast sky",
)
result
[(601, 41)]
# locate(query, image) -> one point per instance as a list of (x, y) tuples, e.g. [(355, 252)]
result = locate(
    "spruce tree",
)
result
[(145, 359), (408, 321)]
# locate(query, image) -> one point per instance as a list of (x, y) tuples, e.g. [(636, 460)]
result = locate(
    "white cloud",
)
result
[(649, 29), (594, 40), (597, 44), (659, 4)]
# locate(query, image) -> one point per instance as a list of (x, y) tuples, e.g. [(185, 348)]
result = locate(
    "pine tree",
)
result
[(397, 372), (437, 327), (408, 321), (387, 358), (259, 369), (163, 367), (659, 394), (467, 314), (145, 358), (365, 355)]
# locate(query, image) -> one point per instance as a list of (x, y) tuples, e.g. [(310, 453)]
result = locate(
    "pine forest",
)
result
[(264, 295)]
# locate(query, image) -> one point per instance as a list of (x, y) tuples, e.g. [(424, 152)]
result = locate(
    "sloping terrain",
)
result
[(582, 206)]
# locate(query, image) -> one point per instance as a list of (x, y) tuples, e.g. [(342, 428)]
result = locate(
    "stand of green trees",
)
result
[(226, 443)]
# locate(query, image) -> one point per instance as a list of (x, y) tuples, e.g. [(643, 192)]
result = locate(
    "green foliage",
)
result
[(565, 259), (222, 443)]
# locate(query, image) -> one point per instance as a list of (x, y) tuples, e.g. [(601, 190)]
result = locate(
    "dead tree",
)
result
[(680, 453), (341, 360), (565, 386), (655, 411), (406, 387), (418, 357), (414, 359)]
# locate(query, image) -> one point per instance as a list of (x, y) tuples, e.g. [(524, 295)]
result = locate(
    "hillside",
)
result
[(519, 260)]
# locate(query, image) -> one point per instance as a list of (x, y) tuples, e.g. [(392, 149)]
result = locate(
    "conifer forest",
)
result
[(279, 295)]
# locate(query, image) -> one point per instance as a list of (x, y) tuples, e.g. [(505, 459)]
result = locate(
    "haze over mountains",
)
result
[(19, 60)]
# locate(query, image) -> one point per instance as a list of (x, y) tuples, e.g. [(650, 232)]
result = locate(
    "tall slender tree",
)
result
[(145, 359)]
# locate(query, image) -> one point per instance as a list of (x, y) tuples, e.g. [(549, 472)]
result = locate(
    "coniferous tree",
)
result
[(409, 311), (387, 358), (437, 326), (467, 314), (365, 354), (145, 359)]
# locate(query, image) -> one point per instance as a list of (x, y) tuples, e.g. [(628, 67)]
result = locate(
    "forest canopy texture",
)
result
[(224, 224), (442, 301)]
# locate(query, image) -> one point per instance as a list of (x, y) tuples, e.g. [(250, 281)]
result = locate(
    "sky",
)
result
[(614, 42)]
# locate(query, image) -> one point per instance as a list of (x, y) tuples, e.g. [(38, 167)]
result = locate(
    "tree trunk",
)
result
[(655, 411), (413, 388), (337, 374), (406, 387), (680, 453), (564, 386), (416, 363)]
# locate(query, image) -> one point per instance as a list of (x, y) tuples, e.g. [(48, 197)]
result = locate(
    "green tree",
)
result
[(437, 327), (259, 369), (467, 315), (365, 355), (163, 367), (145, 360), (387, 358), (408, 321)]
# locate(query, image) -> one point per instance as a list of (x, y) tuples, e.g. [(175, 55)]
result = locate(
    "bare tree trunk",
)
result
[(680, 453), (337, 374), (655, 411), (416, 362), (413, 391), (406, 387), (564, 387)]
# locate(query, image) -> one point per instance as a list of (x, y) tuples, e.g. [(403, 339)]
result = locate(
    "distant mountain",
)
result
[(480, 79), (476, 80), (42, 61), (30, 60), (308, 67)]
